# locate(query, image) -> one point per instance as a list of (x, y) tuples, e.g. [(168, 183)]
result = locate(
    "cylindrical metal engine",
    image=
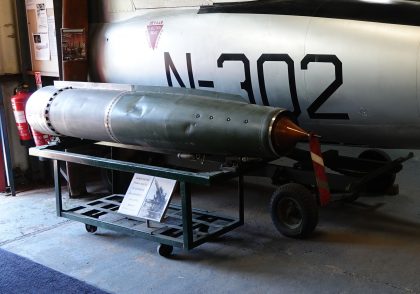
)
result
[(182, 122)]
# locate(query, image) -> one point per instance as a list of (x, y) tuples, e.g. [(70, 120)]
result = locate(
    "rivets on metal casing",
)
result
[(211, 117), (197, 116), (245, 121), (228, 119)]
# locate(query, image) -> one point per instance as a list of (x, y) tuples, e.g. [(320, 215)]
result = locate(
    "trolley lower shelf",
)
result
[(103, 213), (182, 226)]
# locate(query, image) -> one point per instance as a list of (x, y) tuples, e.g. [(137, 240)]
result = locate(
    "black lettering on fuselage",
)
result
[(246, 84), (313, 108), (190, 72), (291, 73), (206, 84), (170, 67)]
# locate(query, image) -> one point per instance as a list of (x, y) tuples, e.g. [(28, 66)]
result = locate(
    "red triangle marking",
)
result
[(154, 31)]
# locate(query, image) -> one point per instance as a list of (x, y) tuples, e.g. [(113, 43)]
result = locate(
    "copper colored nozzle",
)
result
[(285, 134)]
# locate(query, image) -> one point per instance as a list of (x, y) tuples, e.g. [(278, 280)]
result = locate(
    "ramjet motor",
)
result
[(166, 119)]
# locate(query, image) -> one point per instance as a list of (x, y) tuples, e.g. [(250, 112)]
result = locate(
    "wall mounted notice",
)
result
[(41, 46), (41, 17), (51, 36), (42, 36), (147, 197)]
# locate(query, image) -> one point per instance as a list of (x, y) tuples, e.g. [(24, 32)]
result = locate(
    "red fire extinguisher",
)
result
[(41, 139), (18, 106)]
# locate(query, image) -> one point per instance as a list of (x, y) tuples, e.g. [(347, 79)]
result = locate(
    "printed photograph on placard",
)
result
[(157, 199), (73, 44)]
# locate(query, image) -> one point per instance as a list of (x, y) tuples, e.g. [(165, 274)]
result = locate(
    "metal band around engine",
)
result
[(270, 131), (107, 117), (48, 108)]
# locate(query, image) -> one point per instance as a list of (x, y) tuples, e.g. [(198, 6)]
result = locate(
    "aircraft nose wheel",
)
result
[(294, 211)]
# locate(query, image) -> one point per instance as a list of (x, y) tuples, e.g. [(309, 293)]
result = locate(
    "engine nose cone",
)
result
[(285, 134)]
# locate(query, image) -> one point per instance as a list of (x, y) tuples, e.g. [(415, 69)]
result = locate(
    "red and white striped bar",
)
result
[(319, 169)]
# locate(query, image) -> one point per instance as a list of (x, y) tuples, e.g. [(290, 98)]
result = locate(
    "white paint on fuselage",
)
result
[(379, 61)]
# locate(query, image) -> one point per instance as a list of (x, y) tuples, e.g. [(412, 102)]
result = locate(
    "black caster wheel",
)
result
[(91, 229), (294, 211), (165, 250)]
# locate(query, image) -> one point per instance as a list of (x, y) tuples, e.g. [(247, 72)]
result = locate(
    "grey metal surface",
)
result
[(161, 90), (380, 64), (177, 121)]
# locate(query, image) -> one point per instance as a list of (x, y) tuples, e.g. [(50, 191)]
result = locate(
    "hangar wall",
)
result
[(9, 70), (9, 62)]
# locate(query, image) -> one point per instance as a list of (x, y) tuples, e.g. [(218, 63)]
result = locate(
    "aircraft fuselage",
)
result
[(351, 76)]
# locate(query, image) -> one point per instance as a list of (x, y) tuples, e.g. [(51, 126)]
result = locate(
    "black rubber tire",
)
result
[(91, 229), (165, 250), (385, 182), (294, 211)]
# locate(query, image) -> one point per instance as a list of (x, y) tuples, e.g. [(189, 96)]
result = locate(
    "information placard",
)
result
[(147, 197)]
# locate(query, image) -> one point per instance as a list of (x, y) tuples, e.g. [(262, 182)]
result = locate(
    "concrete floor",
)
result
[(370, 246)]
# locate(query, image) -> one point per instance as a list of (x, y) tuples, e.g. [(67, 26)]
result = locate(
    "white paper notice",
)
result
[(147, 197), (41, 17), (136, 193), (51, 36), (41, 46), (49, 4)]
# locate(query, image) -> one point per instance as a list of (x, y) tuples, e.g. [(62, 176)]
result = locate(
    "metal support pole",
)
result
[(241, 199), (57, 187), (113, 173), (6, 147), (186, 215)]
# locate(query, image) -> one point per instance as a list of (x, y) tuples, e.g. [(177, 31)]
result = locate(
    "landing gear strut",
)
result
[(294, 206)]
